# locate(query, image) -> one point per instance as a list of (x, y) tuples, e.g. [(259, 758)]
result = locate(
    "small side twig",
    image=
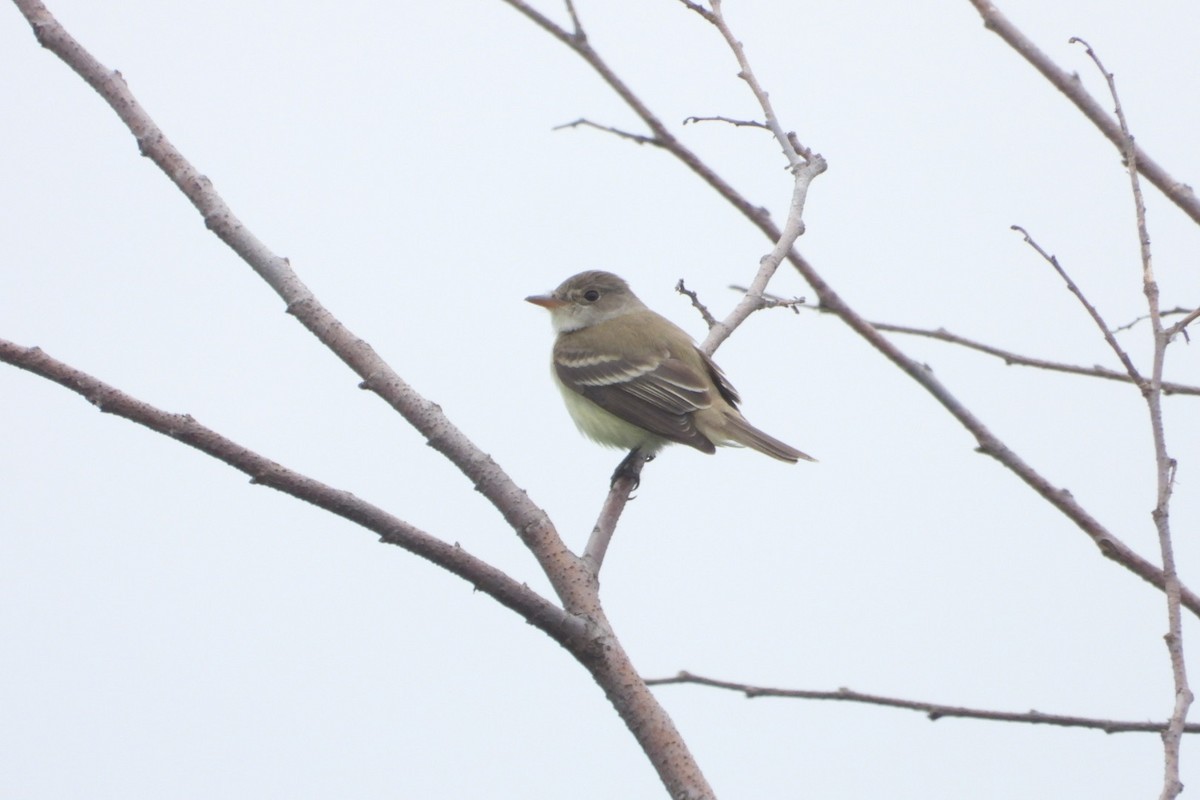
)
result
[(796, 155), (1181, 326), (637, 138), (737, 123), (1017, 359), (709, 319), (1126, 361), (775, 301), (699, 9), (934, 711), (1167, 313), (580, 34), (1007, 356)]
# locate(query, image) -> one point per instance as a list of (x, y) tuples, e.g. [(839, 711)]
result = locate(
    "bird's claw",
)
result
[(631, 468)]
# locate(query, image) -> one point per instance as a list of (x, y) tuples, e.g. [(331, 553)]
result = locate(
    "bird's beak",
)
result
[(546, 301)]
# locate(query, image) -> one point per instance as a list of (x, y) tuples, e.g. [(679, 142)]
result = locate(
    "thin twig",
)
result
[(699, 9), (1126, 361), (934, 711), (1181, 326), (709, 319), (796, 156), (775, 301), (575, 23), (1016, 359), (737, 123), (587, 123), (1169, 312), (1007, 356)]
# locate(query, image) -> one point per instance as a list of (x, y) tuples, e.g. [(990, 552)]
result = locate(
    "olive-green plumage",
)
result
[(633, 379)]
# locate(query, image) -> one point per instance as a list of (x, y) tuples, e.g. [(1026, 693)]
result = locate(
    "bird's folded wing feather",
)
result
[(653, 390)]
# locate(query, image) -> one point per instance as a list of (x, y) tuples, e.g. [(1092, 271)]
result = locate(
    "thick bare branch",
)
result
[(538, 611)]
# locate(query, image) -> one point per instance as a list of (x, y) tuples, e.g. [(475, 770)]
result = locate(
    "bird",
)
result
[(633, 379)]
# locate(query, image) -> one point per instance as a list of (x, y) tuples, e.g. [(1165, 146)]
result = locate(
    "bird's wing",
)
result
[(722, 383), (651, 390)]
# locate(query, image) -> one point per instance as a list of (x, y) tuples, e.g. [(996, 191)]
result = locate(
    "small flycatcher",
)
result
[(633, 379)]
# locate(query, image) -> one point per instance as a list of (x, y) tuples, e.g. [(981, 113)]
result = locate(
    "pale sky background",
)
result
[(171, 631)]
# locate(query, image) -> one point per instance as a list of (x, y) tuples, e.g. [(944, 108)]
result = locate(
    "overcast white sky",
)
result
[(171, 631)]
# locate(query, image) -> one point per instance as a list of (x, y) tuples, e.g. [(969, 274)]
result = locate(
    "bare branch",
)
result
[(1007, 356), (1169, 312), (661, 134), (625, 480), (709, 319), (587, 123), (1068, 83), (1134, 375), (1181, 326), (575, 23), (1011, 358), (699, 9), (737, 123), (538, 611), (796, 156), (1164, 464), (934, 711)]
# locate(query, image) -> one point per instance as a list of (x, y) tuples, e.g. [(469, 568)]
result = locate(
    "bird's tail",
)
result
[(739, 431)]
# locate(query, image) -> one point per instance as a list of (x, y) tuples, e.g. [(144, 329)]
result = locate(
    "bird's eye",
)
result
[(591, 295)]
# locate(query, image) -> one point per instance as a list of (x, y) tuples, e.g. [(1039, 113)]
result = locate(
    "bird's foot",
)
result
[(631, 468)]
